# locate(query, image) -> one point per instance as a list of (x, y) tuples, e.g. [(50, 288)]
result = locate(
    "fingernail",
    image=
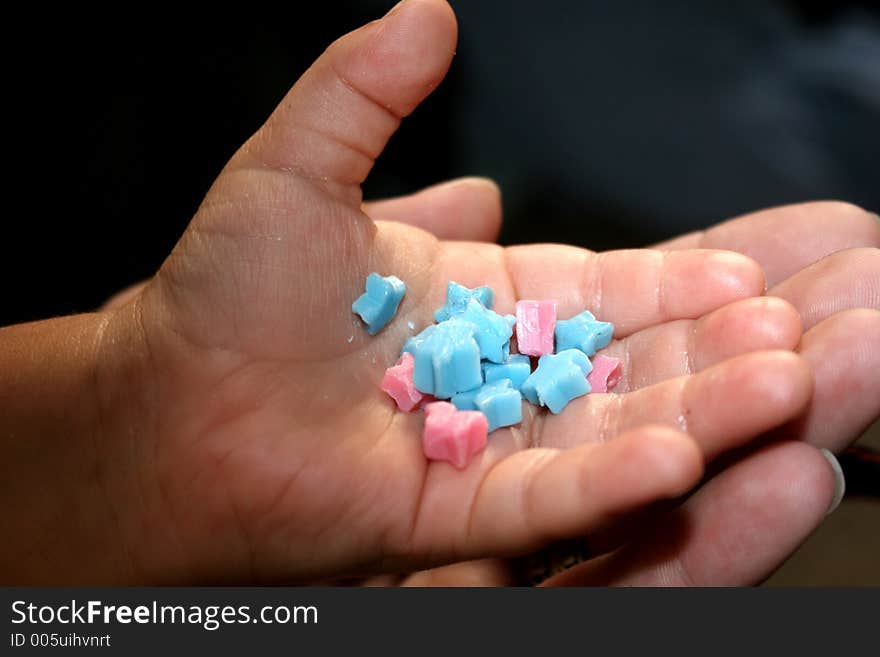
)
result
[(839, 482)]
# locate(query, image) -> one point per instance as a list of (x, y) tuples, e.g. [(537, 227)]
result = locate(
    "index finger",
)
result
[(636, 288), (786, 239)]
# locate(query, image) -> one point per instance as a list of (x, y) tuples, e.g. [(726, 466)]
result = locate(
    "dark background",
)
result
[(607, 124)]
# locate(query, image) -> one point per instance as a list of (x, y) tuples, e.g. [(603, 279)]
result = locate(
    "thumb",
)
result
[(339, 115), (264, 240)]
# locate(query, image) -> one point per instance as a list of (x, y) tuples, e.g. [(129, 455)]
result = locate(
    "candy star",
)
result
[(517, 368), (447, 358), (558, 379), (457, 297), (605, 374), (452, 435), (378, 304), (535, 321), (398, 383), (464, 401), (500, 402), (493, 330), (583, 332)]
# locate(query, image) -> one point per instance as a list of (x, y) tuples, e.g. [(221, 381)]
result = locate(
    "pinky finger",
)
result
[(735, 531)]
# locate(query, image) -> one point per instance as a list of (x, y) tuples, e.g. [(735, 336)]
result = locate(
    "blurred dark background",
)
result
[(607, 124)]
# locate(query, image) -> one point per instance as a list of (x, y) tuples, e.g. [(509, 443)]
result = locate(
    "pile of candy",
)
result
[(466, 358)]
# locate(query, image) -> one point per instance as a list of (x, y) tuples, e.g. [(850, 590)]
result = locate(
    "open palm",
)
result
[(742, 523), (264, 448)]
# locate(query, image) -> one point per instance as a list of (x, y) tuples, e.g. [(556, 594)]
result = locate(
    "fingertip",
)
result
[(777, 383), (774, 322), (804, 478), (785, 380), (407, 55), (844, 360), (739, 274), (745, 326), (698, 281), (856, 223), (779, 378), (472, 187), (741, 398), (673, 458), (479, 208), (438, 14), (810, 231), (339, 115), (479, 185), (781, 324)]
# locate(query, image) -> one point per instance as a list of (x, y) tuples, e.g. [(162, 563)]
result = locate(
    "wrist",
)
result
[(77, 453), (59, 523), (128, 398)]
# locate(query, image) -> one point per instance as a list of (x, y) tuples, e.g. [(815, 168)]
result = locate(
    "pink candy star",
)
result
[(605, 374), (398, 383), (452, 435), (535, 325)]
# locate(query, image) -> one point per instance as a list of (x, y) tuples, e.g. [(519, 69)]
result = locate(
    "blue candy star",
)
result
[(457, 297), (447, 358), (500, 402), (379, 303), (583, 332), (558, 379), (493, 330), (464, 401), (517, 368)]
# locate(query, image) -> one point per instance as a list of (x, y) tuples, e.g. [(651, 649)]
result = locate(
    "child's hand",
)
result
[(241, 434)]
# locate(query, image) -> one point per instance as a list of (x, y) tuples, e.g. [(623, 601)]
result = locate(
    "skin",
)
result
[(829, 271), (224, 423)]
